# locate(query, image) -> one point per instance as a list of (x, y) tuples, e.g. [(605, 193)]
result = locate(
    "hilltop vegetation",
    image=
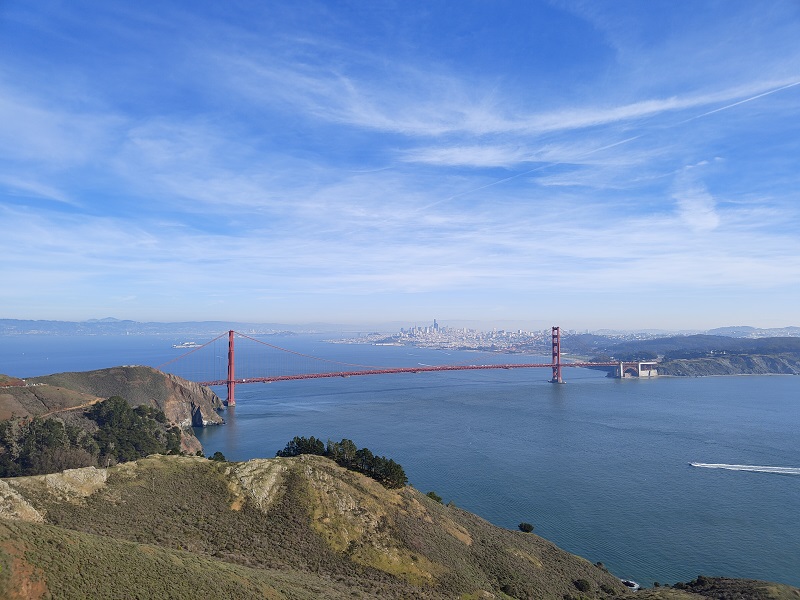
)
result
[(346, 454)]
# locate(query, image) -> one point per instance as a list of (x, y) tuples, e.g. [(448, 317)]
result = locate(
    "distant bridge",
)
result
[(289, 365)]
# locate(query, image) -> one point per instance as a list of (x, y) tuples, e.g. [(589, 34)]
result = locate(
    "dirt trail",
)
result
[(84, 405)]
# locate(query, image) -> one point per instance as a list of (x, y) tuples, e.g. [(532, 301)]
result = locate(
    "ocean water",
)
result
[(601, 467)]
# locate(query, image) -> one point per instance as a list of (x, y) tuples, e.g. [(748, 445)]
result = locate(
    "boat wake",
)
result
[(753, 468)]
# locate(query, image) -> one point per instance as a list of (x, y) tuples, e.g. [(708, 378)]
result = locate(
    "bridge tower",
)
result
[(231, 378), (556, 333)]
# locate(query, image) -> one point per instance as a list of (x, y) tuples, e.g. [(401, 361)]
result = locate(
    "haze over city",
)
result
[(591, 165)]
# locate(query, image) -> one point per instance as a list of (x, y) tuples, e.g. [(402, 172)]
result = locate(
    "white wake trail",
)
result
[(753, 468)]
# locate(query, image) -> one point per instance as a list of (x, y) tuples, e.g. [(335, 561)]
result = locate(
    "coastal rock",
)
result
[(258, 480), (77, 482)]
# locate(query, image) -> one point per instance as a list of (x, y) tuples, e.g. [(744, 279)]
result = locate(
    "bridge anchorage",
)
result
[(289, 365)]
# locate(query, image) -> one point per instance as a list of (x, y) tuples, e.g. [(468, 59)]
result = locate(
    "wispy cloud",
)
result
[(437, 104), (37, 129), (315, 169), (32, 188), (695, 205)]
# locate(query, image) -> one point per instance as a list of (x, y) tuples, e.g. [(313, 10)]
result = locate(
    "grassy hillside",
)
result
[(283, 525)]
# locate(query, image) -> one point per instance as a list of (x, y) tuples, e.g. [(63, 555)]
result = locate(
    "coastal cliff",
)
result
[(64, 395), (185, 403), (733, 364)]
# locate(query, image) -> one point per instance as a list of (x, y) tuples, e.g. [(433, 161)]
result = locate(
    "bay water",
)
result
[(601, 467)]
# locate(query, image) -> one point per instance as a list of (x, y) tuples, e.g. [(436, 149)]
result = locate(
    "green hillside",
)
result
[(283, 527)]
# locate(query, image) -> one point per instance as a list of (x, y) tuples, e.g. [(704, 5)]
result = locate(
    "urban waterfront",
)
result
[(601, 467)]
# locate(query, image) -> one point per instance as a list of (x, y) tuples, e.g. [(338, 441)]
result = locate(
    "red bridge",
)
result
[(288, 365)]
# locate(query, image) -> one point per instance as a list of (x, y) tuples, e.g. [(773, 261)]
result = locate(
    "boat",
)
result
[(186, 345), (631, 584)]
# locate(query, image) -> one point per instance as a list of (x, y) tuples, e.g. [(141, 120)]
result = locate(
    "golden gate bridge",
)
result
[(214, 363)]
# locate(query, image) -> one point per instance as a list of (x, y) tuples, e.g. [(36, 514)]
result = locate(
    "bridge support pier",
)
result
[(231, 379), (556, 333)]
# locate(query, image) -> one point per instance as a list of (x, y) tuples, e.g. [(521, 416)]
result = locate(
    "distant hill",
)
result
[(112, 326), (733, 364), (64, 395), (690, 346), (696, 355), (755, 332)]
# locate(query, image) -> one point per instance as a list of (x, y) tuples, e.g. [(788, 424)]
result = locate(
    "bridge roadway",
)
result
[(420, 369)]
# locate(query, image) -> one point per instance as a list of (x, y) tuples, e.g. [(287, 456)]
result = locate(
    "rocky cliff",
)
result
[(184, 402)]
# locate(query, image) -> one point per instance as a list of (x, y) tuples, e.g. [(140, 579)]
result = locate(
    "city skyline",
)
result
[(609, 165)]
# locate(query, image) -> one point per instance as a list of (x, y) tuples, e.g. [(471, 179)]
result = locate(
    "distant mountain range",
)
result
[(113, 326), (743, 331)]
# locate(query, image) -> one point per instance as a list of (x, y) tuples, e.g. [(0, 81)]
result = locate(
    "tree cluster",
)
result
[(37, 446), (346, 454), (127, 433)]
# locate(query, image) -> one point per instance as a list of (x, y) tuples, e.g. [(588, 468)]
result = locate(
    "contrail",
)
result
[(756, 97)]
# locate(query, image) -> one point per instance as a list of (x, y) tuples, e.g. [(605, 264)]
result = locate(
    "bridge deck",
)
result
[(419, 369)]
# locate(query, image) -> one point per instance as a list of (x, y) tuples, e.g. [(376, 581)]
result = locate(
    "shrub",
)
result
[(434, 496), (582, 585), (525, 527)]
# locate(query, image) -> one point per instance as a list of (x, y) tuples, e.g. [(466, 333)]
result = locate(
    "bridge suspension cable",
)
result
[(199, 364)]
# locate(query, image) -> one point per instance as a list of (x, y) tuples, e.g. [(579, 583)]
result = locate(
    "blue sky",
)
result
[(516, 163)]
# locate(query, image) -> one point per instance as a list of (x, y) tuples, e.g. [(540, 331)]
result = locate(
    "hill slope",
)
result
[(295, 528), (778, 364), (285, 527)]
